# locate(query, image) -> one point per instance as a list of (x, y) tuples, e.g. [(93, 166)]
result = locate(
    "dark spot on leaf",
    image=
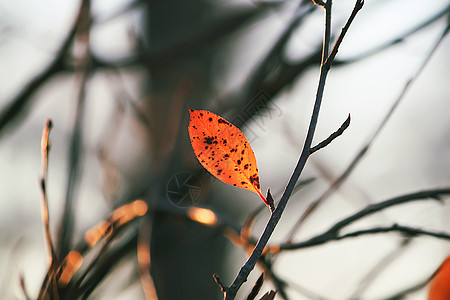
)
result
[(226, 156), (209, 140), (242, 152), (219, 171), (222, 121), (243, 182), (254, 179), (210, 119), (246, 166), (239, 162)]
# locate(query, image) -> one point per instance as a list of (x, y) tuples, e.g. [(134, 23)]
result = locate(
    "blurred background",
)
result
[(117, 79)]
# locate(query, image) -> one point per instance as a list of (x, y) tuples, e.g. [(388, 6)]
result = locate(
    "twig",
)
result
[(401, 295), (23, 287), (256, 287), (409, 231), (276, 215), (258, 78), (394, 41), (266, 261), (332, 136), (83, 70), (219, 283), (45, 147), (333, 232), (144, 259), (338, 182), (21, 102), (109, 260), (358, 5), (46, 286), (246, 229)]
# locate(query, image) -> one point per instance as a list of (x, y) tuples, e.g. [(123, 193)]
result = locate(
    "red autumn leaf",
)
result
[(440, 284), (223, 150)]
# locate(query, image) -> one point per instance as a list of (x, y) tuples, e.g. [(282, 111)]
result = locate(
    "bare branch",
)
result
[(23, 287), (276, 215), (256, 287), (144, 259), (338, 182), (333, 233), (219, 282), (83, 70), (395, 41), (334, 135), (409, 231), (45, 147), (22, 101), (358, 5)]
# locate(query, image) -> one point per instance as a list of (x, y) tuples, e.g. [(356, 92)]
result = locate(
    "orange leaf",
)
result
[(440, 284), (223, 150)]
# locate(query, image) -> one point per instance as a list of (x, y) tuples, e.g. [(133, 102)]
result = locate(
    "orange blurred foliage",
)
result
[(118, 217), (202, 215), (73, 262), (440, 284)]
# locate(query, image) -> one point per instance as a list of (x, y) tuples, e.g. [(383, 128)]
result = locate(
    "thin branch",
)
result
[(23, 286), (219, 282), (110, 260), (358, 6), (276, 215), (256, 287), (144, 259), (246, 229), (334, 135), (83, 71), (363, 151), (401, 295), (395, 41), (45, 147), (333, 233), (266, 263), (47, 287), (409, 231), (21, 102)]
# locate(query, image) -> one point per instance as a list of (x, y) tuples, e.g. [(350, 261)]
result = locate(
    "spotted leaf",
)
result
[(223, 150)]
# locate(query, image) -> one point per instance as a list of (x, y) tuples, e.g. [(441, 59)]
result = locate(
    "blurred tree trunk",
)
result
[(184, 255)]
